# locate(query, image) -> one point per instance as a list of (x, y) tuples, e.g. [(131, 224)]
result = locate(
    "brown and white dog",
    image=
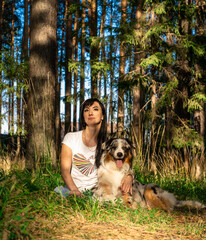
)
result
[(115, 165)]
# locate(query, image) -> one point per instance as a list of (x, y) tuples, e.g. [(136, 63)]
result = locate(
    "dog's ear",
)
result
[(106, 144), (131, 143)]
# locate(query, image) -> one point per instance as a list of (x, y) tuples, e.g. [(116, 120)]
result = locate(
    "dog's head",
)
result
[(118, 150)]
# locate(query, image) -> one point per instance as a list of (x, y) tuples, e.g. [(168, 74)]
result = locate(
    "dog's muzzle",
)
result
[(119, 160)]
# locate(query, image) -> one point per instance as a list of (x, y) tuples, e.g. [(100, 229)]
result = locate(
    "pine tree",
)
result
[(137, 92), (68, 74), (120, 118), (92, 14), (42, 73)]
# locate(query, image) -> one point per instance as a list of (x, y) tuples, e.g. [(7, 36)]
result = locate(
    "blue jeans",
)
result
[(63, 191)]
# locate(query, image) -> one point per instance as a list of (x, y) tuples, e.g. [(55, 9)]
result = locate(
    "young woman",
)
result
[(79, 150)]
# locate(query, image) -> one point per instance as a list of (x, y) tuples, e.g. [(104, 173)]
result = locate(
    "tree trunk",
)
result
[(111, 117), (42, 73), (137, 88), (11, 81), (120, 118), (82, 90), (199, 164), (75, 58), (92, 13), (25, 31), (102, 50), (19, 125), (1, 39), (154, 48), (68, 74), (184, 70), (57, 95), (60, 131), (21, 102), (25, 52), (184, 76)]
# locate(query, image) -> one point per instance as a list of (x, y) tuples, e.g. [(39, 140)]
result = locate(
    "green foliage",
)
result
[(190, 44), (95, 41), (156, 30), (160, 8), (186, 137), (195, 102), (154, 60), (100, 67), (73, 8), (73, 66)]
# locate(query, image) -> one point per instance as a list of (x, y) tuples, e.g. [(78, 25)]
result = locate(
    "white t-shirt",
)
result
[(83, 172)]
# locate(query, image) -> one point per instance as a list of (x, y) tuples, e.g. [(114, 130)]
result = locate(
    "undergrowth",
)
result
[(30, 209)]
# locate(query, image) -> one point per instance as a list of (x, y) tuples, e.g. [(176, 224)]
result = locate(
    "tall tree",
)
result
[(111, 117), (42, 74), (75, 59), (21, 102), (199, 95), (25, 58), (92, 14), (102, 74), (82, 75), (120, 120), (57, 85), (1, 43), (11, 80), (138, 55), (184, 74), (68, 74), (154, 73)]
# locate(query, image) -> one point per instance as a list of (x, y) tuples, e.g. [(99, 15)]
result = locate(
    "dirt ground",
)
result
[(77, 226), (109, 231), (80, 228)]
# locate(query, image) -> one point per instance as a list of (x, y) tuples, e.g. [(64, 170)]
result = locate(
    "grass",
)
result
[(30, 209)]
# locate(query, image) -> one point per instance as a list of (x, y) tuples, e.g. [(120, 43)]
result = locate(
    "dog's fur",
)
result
[(115, 165)]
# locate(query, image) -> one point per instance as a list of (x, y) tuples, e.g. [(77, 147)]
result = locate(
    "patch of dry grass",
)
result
[(76, 226)]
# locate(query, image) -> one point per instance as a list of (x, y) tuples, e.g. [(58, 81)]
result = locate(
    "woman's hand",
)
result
[(126, 185), (76, 193)]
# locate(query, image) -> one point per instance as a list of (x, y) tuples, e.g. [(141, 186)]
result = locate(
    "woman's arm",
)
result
[(66, 165), (126, 185)]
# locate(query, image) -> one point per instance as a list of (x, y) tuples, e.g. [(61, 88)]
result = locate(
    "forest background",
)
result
[(144, 59)]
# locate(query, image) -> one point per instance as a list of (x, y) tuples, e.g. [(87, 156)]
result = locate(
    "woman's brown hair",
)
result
[(102, 136)]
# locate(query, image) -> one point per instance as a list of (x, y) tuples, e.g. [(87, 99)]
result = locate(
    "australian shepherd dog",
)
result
[(116, 164)]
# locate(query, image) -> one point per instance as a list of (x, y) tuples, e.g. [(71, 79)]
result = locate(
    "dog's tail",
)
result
[(190, 203)]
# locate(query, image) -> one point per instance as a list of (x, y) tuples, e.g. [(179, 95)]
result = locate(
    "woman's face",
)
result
[(93, 114)]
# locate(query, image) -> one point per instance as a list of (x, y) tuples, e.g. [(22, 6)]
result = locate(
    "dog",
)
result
[(115, 165)]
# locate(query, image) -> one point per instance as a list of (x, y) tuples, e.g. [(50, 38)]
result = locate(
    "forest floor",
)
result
[(81, 229), (190, 225), (30, 209)]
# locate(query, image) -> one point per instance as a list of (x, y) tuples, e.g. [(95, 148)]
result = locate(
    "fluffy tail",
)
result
[(189, 203)]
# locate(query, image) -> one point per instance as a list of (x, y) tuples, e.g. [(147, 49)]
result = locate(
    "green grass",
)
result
[(182, 186), (30, 209)]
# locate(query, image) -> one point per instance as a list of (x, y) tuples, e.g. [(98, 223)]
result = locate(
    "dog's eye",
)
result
[(124, 148)]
